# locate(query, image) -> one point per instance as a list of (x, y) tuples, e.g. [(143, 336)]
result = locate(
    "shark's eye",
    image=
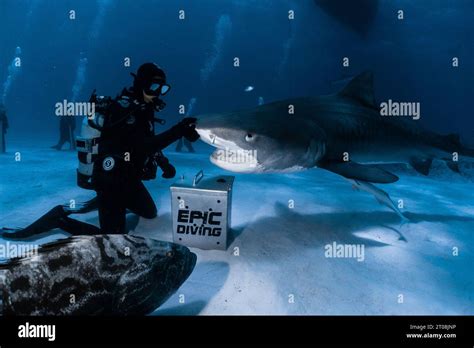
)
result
[(249, 137)]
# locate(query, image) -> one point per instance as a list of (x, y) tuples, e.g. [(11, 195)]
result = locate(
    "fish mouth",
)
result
[(228, 155), (235, 160), (212, 139), (186, 260), (188, 268)]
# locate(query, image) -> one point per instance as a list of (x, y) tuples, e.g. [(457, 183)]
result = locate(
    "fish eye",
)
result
[(170, 254), (249, 137)]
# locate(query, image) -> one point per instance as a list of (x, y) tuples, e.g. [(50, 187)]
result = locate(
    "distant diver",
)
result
[(3, 128), (118, 149), (67, 126), (357, 15)]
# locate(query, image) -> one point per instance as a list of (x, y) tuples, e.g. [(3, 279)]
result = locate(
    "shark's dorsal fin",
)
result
[(361, 88)]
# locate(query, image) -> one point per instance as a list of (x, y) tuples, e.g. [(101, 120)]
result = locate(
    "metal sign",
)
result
[(201, 211)]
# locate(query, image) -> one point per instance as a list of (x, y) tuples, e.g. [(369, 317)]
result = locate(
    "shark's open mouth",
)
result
[(228, 155), (237, 157), (216, 154)]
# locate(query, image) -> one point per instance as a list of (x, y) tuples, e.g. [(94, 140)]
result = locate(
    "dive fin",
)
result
[(421, 165), (45, 223), (57, 218), (356, 171), (361, 89), (380, 195)]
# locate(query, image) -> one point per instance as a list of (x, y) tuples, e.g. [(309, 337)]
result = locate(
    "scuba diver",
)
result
[(3, 128), (67, 125), (118, 149)]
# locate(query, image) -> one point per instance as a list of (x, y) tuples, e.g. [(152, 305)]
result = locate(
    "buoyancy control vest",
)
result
[(102, 122)]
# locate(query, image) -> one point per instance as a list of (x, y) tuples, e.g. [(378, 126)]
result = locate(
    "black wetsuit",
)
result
[(127, 146), (130, 143)]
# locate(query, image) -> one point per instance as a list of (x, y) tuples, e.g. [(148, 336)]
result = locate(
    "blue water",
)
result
[(282, 249), (66, 59)]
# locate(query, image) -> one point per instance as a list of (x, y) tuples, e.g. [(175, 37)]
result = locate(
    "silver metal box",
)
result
[(201, 211)]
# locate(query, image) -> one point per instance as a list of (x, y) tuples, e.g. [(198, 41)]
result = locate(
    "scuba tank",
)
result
[(87, 143)]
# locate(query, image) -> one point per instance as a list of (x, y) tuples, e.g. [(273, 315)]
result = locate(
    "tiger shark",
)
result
[(344, 133)]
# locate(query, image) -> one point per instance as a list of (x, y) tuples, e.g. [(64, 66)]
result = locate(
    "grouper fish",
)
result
[(94, 275)]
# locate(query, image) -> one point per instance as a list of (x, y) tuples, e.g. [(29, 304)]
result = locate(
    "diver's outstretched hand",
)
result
[(12, 233), (188, 127), (57, 217)]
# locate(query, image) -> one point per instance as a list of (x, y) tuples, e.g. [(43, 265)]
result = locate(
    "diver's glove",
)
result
[(158, 104), (188, 128), (168, 169)]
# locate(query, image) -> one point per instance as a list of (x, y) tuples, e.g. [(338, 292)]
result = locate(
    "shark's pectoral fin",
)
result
[(421, 165), (356, 171)]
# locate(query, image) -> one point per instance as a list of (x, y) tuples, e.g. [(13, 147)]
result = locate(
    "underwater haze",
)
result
[(424, 54), (65, 58)]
